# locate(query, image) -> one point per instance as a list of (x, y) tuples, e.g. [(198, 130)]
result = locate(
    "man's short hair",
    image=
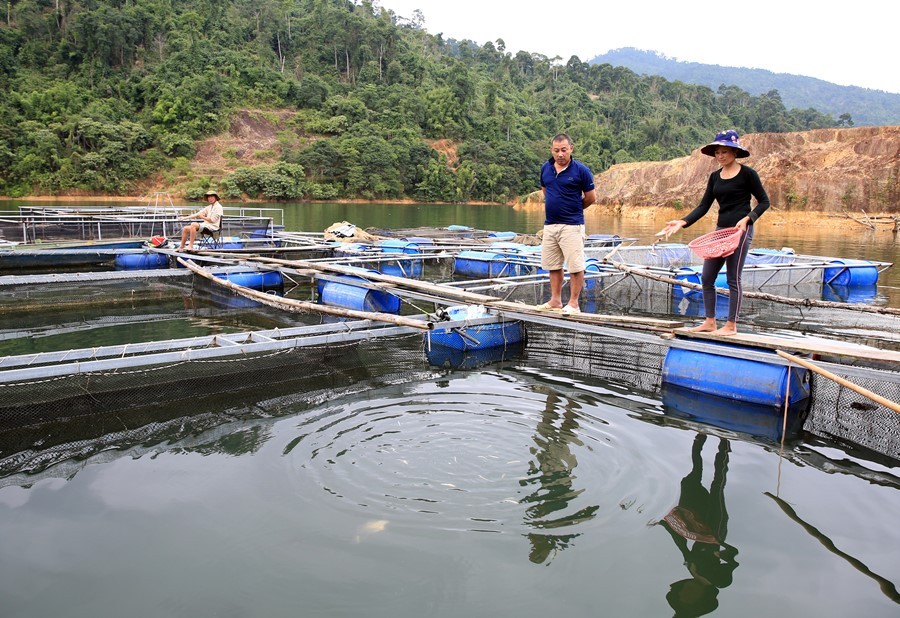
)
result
[(562, 137)]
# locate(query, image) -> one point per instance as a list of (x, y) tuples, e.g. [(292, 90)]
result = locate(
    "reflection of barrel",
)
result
[(141, 261), (348, 296), (442, 356), (484, 264), (851, 272), (749, 418), (738, 379), (256, 280), (863, 294)]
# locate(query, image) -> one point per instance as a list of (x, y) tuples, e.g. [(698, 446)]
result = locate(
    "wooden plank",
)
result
[(449, 293), (619, 319), (805, 345)]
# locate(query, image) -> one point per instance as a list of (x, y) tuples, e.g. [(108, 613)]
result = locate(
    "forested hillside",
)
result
[(100, 95), (861, 106)]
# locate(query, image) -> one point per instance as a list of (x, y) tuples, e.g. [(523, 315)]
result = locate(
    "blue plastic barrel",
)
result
[(504, 235), (402, 268), (691, 274), (398, 246), (592, 266), (484, 264), (337, 294), (478, 337), (255, 280), (739, 379), (348, 279), (420, 240), (851, 272), (141, 261)]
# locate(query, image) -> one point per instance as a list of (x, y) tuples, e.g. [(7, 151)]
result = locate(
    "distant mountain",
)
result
[(866, 107)]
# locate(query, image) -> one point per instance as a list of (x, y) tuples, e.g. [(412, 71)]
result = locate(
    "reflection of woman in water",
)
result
[(552, 470), (700, 518)]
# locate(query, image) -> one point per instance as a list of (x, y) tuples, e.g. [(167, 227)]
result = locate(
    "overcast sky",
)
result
[(851, 44)]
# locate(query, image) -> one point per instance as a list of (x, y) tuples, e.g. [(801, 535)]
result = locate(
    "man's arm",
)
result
[(589, 198)]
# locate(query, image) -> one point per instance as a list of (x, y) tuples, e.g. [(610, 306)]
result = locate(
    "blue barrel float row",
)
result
[(853, 281)]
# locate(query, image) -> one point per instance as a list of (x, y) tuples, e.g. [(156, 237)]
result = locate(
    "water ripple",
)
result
[(484, 452)]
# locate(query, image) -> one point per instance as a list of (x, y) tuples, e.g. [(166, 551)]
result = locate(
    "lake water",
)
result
[(373, 483)]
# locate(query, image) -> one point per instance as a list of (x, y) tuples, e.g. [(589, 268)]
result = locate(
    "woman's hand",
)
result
[(672, 227), (742, 224)]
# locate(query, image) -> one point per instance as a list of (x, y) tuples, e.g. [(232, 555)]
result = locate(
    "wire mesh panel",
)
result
[(634, 363), (42, 422), (840, 412)]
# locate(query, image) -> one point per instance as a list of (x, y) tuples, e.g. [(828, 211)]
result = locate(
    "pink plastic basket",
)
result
[(720, 243)]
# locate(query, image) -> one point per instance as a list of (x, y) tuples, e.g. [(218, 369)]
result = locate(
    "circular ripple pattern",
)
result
[(480, 451)]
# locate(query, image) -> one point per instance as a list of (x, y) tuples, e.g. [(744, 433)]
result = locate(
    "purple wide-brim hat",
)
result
[(726, 138)]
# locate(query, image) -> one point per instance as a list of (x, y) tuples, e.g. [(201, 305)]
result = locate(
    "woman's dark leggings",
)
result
[(734, 264)]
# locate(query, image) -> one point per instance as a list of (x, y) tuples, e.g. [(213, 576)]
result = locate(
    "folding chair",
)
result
[(210, 239)]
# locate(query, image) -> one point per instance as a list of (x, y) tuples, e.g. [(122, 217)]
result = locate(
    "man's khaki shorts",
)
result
[(563, 245)]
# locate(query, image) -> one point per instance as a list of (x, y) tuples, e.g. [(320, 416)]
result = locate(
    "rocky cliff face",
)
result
[(823, 170)]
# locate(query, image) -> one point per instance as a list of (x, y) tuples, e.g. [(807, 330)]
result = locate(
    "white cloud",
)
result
[(850, 45)]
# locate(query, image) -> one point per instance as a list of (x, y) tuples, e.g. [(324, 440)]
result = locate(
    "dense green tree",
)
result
[(99, 94)]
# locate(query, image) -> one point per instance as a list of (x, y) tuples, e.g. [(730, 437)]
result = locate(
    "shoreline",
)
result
[(882, 221)]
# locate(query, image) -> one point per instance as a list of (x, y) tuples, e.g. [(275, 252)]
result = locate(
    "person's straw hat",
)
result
[(211, 192), (728, 138)]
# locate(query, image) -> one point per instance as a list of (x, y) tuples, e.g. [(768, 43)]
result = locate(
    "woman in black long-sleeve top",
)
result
[(731, 186)]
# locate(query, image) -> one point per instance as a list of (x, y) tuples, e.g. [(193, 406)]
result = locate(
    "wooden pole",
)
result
[(306, 307), (887, 403)]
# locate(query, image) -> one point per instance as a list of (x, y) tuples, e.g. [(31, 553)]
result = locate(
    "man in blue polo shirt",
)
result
[(568, 188)]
